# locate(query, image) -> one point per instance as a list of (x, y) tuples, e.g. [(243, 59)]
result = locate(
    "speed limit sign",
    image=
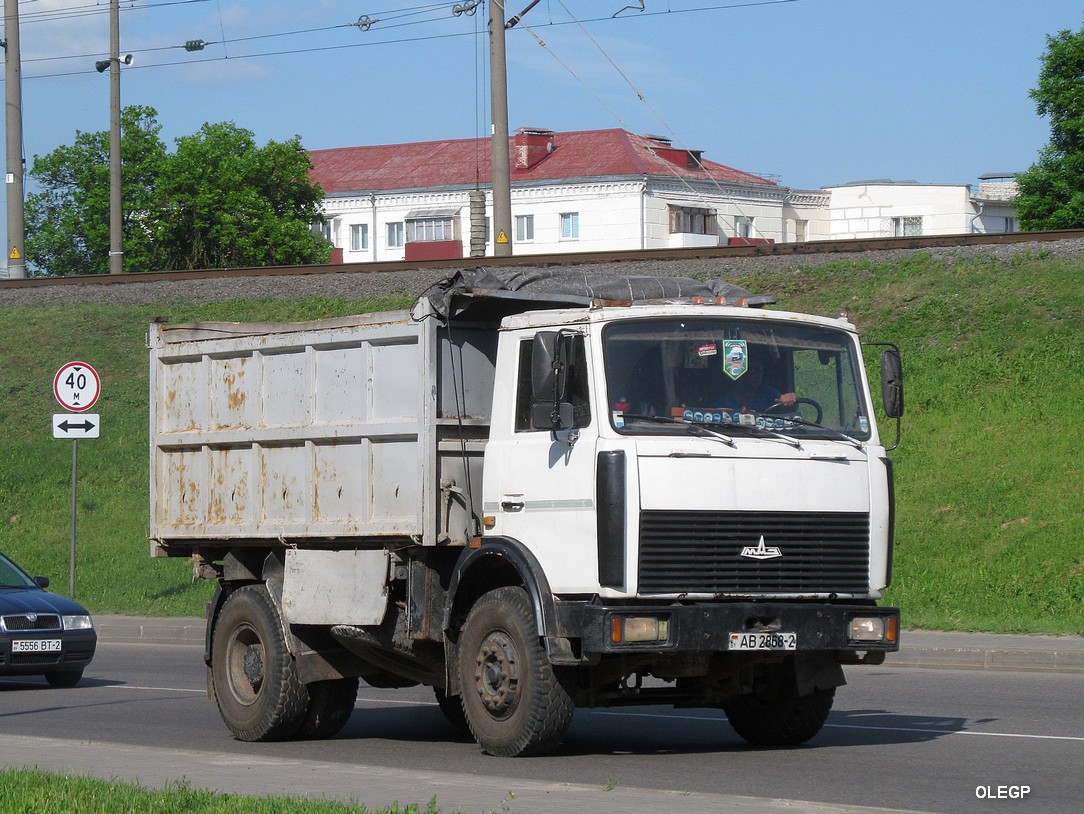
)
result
[(77, 386)]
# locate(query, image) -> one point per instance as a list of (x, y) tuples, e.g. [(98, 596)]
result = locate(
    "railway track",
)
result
[(570, 259)]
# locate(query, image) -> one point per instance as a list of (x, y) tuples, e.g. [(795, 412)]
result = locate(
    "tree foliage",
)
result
[(218, 201), (1052, 190)]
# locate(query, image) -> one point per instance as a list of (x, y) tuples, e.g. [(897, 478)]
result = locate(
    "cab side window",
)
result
[(579, 393)]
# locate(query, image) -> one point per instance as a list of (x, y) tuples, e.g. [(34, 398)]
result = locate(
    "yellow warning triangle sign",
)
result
[(502, 237), (15, 254)]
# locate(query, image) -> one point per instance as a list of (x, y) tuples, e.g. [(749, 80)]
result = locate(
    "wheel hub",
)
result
[(497, 674), (252, 662)]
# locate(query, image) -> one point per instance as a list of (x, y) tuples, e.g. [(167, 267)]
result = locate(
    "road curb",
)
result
[(989, 651), (150, 630)]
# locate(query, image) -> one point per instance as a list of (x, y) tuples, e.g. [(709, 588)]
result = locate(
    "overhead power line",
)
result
[(379, 21)]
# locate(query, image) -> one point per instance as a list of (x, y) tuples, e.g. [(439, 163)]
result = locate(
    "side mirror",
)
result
[(892, 383), (41, 582), (550, 408)]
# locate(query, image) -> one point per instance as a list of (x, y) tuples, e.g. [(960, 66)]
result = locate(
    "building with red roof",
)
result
[(608, 190), (594, 190)]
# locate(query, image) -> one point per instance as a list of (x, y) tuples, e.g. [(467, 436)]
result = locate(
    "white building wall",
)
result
[(631, 214), (870, 210), (609, 217)]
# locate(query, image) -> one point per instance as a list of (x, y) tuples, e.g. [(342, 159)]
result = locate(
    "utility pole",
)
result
[(13, 120), (116, 237), (498, 102)]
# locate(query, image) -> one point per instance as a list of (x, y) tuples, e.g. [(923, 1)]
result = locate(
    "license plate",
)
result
[(763, 641), (35, 646)]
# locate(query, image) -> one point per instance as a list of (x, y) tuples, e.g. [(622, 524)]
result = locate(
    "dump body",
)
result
[(315, 433)]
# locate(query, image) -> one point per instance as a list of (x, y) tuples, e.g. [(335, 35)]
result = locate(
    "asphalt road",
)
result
[(899, 738)]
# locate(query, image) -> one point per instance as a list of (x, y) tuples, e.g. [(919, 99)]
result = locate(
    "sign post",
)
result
[(76, 387)]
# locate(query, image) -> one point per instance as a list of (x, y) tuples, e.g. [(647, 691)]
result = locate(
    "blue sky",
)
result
[(811, 93)]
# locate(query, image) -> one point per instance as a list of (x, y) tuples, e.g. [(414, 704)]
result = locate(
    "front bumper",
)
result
[(707, 627), (77, 651)]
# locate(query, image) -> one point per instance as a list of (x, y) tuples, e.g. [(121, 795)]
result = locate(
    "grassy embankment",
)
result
[(989, 535)]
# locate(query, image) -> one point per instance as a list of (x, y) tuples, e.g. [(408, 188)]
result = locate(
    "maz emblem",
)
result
[(761, 552)]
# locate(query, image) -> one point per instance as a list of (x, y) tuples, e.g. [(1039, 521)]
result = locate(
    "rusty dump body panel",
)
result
[(336, 433)]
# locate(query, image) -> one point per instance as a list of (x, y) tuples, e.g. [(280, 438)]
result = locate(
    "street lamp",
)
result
[(102, 65)]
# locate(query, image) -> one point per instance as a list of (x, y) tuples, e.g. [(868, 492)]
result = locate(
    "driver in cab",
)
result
[(749, 393)]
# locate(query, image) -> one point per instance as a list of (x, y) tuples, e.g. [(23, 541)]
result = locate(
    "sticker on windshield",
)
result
[(735, 358)]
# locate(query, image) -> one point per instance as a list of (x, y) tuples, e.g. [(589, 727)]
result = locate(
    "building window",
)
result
[(687, 220), (359, 237), (801, 231), (524, 227), (907, 227), (743, 227), (395, 235), (570, 226), (427, 230)]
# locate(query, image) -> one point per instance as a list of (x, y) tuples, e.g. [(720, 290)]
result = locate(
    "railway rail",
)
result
[(850, 246)]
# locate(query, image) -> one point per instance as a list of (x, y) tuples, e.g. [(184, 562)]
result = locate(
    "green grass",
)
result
[(989, 535), (26, 791)]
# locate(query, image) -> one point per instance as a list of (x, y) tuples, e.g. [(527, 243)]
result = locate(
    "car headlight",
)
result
[(78, 622)]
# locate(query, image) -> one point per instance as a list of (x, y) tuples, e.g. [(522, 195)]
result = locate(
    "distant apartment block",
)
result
[(606, 190)]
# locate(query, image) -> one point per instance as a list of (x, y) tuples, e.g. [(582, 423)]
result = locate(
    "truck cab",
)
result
[(702, 497)]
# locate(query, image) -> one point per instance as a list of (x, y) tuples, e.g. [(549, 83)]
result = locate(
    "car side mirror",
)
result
[(41, 582)]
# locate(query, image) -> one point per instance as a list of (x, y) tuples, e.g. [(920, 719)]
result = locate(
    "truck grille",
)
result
[(700, 552)]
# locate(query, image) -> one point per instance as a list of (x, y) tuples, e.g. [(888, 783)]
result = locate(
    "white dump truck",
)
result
[(531, 492)]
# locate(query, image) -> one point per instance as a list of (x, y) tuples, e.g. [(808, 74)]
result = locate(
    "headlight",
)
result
[(872, 629), (626, 629), (78, 622)]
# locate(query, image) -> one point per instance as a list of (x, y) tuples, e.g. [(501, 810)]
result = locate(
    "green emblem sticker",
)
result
[(735, 358)]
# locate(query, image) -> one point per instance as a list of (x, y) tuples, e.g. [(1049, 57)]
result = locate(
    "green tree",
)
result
[(1052, 190), (231, 203), (67, 222), (219, 201)]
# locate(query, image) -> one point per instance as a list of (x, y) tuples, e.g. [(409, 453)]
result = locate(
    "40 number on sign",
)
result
[(77, 386)]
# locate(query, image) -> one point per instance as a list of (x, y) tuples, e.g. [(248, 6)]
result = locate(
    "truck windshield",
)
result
[(736, 373)]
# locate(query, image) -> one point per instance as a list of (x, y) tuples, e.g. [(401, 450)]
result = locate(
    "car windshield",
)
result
[(12, 576), (736, 373)]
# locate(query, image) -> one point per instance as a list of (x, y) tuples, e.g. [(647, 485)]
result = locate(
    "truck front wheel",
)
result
[(512, 699), (774, 714), (259, 694)]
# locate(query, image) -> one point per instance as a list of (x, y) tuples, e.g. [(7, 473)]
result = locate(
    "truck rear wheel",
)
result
[(512, 699), (331, 703), (775, 715), (259, 694)]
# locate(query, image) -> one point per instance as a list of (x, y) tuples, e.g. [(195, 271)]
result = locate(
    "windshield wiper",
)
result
[(756, 428), (700, 426), (839, 433)]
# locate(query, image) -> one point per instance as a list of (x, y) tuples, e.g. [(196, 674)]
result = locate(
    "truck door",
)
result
[(545, 495)]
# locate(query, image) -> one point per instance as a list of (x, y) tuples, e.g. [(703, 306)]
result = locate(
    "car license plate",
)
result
[(35, 646), (763, 641)]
